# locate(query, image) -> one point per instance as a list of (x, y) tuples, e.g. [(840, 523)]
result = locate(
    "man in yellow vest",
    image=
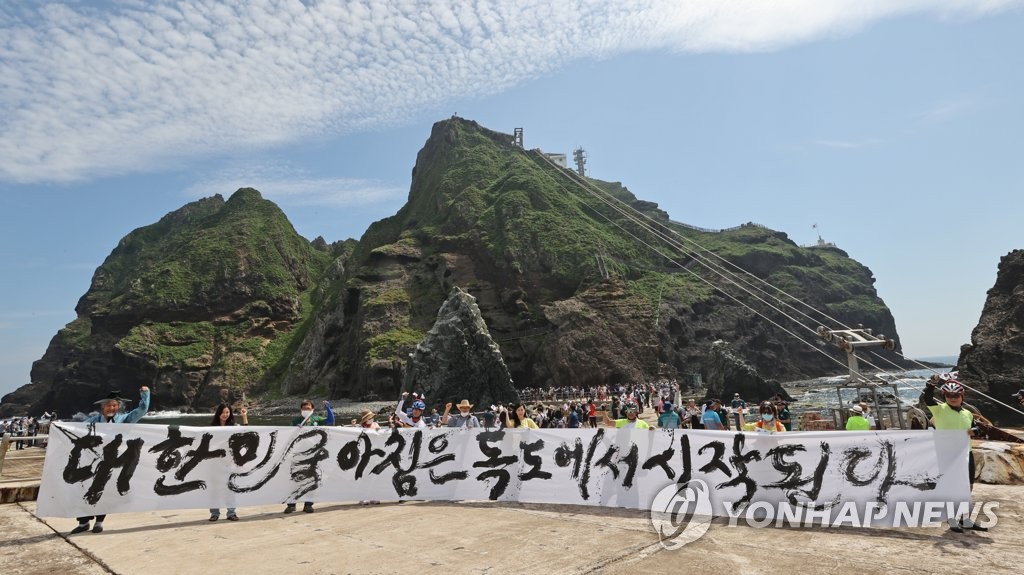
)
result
[(630, 409), (951, 414), (857, 421)]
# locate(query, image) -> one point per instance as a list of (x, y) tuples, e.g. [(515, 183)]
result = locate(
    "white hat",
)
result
[(856, 409)]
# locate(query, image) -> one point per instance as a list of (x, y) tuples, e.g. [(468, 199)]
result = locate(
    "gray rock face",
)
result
[(726, 374), (458, 359), (994, 360)]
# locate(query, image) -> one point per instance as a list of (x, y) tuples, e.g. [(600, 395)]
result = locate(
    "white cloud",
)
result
[(92, 91)]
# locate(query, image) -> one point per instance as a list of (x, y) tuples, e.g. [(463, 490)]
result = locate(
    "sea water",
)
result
[(821, 392)]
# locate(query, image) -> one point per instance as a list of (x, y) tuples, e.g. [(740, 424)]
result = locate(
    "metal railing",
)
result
[(9, 439)]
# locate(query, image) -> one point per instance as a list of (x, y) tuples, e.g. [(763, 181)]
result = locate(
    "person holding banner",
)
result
[(110, 412), (517, 419), (951, 414), (768, 422), (857, 421), (366, 420), (415, 419), (462, 419), (630, 409), (223, 416), (307, 417)]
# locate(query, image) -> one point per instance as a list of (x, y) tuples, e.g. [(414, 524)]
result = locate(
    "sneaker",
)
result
[(82, 528), (968, 523), (232, 518), (954, 525), (98, 528), (290, 508), (307, 508), (215, 517)]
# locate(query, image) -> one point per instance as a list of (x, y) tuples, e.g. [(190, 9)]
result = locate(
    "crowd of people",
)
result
[(620, 407), (25, 427)]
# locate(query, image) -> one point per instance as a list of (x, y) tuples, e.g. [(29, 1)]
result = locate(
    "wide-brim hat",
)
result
[(366, 415), (114, 395), (464, 403), (857, 409)]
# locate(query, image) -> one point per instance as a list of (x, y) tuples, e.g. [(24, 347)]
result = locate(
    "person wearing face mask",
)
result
[(307, 417), (462, 419), (768, 422)]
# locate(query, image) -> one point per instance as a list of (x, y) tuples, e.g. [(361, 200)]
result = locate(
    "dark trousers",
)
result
[(99, 518)]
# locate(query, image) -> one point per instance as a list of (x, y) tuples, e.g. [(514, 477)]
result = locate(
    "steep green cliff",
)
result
[(199, 306), (221, 298), (523, 237)]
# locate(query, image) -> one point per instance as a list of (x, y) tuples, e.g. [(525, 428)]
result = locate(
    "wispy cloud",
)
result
[(289, 186), (134, 85), (944, 111), (848, 144)]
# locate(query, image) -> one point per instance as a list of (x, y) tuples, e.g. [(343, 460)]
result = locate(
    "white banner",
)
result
[(111, 468)]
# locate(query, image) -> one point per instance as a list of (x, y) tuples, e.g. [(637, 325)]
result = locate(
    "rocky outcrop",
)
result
[(223, 298), (199, 306), (999, 463), (523, 238), (458, 359), (725, 374), (994, 360)]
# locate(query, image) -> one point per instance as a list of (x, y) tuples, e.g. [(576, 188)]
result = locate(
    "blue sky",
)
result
[(896, 127)]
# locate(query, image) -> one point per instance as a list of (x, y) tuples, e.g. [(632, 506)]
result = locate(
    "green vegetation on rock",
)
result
[(394, 344)]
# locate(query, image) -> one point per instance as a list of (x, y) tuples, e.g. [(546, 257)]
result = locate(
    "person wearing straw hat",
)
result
[(857, 421), (110, 412), (365, 420), (461, 419)]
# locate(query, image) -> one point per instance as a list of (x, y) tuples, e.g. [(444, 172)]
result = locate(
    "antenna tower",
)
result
[(581, 161)]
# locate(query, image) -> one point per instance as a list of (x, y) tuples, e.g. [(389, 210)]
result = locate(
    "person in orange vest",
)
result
[(767, 422)]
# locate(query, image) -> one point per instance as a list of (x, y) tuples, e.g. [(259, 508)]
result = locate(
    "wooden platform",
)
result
[(21, 474)]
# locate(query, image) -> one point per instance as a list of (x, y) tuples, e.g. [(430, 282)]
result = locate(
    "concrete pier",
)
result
[(484, 537)]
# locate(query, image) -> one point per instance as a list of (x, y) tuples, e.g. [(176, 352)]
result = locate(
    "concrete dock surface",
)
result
[(486, 537)]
